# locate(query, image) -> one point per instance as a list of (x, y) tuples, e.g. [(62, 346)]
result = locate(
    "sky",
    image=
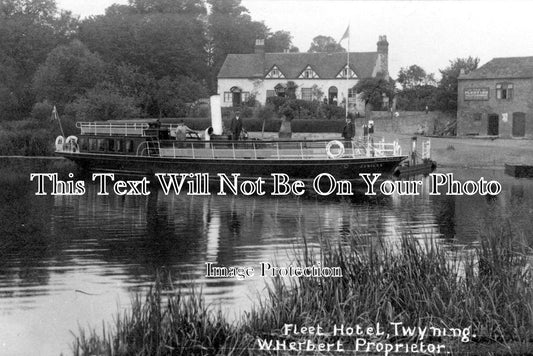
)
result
[(426, 33)]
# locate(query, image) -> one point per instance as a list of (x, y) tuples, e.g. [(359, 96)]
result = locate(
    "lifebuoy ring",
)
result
[(60, 140), (340, 149)]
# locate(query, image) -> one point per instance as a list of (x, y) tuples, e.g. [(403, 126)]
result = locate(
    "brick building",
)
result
[(497, 99), (322, 76)]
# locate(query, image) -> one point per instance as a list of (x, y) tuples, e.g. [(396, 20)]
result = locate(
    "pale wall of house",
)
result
[(260, 87)]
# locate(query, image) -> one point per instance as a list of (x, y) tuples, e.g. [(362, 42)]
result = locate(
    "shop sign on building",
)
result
[(476, 93)]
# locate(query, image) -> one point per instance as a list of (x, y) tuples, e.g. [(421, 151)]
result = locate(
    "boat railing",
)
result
[(104, 128), (426, 149), (256, 149), (149, 148)]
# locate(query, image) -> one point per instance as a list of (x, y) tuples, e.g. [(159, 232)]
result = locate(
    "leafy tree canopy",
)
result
[(446, 98), (325, 44), (451, 73), (278, 42), (68, 71), (415, 76), (373, 89), (195, 8)]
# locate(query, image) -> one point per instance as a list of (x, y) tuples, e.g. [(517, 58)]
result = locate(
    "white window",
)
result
[(227, 96), (307, 94), (275, 73), (345, 72), (271, 93), (308, 73), (245, 95), (504, 91), (351, 93)]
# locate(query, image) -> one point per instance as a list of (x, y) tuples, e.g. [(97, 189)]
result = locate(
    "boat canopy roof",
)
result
[(131, 121)]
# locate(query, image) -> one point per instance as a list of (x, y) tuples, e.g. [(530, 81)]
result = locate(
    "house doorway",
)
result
[(332, 95), (493, 125), (519, 124), (236, 96)]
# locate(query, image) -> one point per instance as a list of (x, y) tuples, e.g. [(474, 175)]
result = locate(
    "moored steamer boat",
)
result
[(146, 147)]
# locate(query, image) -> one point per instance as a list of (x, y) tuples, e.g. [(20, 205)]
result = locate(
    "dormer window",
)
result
[(308, 73), (275, 73), (347, 72)]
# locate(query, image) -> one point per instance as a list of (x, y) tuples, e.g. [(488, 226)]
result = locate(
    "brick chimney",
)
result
[(383, 55), (260, 47)]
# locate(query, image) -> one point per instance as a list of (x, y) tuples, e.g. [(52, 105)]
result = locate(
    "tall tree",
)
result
[(418, 89), (415, 76), (195, 8), (325, 44), (158, 43), (29, 30), (279, 41), (447, 89), (68, 72), (231, 30), (372, 90)]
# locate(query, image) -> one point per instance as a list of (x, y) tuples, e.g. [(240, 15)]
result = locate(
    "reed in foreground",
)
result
[(487, 297)]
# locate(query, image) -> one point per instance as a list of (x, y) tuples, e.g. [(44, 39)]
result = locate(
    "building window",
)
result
[(504, 91), (346, 73), (245, 96), (275, 73), (351, 93), (307, 94), (271, 93), (477, 116), (227, 96), (308, 73)]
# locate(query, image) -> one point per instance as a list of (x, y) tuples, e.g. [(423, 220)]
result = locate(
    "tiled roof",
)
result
[(510, 67), (326, 65)]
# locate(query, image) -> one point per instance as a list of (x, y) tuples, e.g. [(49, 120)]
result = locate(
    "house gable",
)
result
[(308, 73), (346, 71), (275, 73)]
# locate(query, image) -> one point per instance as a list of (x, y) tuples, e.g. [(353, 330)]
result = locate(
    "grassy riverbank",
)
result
[(485, 296)]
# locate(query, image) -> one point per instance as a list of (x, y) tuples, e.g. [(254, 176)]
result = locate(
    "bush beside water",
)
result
[(489, 292)]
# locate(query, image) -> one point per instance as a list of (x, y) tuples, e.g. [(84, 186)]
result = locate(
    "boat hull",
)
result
[(345, 168)]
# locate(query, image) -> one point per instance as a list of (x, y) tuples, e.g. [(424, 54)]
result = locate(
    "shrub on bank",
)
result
[(488, 296)]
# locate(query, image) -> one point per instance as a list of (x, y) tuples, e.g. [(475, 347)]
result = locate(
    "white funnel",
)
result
[(216, 115)]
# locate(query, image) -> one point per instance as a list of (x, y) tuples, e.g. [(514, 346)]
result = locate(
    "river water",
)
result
[(75, 261)]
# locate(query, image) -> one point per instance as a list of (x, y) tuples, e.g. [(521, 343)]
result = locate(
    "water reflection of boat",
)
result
[(147, 147)]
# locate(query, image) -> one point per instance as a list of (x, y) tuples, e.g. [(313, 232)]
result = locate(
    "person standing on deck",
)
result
[(348, 132), (236, 126), (181, 131)]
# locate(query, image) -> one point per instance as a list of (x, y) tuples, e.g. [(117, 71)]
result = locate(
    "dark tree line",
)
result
[(153, 58), (147, 58), (420, 89)]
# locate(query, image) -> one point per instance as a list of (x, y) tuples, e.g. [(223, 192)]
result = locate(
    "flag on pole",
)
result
[(346, 34)]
